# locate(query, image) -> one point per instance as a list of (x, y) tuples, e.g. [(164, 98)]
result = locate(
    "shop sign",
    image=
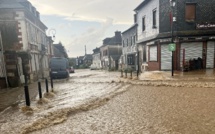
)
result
[(205, 26)]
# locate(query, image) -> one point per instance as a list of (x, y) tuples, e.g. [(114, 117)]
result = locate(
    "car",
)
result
[(93, 67), (71, 70), (59, 67)]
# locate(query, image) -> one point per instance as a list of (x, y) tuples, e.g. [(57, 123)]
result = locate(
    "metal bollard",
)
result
[(125, 73), (47, 86), (131, 74), (27, 98), (52, 84), (39, 89)]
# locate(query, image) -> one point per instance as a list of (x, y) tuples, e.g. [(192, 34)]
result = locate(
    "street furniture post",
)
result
[(39, 89), (47, 86)]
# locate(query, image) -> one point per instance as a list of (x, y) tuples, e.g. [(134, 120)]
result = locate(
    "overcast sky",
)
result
[(77, 23)]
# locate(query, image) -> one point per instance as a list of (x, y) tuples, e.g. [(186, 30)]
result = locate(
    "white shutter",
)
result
[(193, 50), (166, 58), (33, 62), (2, 74), (210, 55), (153, 53)]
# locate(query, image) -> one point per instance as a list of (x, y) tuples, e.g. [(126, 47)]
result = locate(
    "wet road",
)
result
[(98, 102)]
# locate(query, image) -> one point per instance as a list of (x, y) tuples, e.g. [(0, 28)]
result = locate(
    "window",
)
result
[(131, 40), (131, 59), (190, 12), (154, 19), (153, 53), (134, 39), (127, 42), (143, 24), (123, 43), (144, 53)]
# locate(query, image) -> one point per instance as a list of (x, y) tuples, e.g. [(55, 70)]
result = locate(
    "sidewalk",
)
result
[(12, 96)]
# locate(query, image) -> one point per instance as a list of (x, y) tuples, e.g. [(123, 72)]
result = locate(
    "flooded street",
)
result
[(100, 102)]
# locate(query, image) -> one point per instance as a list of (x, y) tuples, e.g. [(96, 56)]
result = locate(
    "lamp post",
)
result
[(52, 32), (172, 5)]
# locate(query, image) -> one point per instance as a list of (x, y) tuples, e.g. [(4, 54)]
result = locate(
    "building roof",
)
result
[(80, 57), (88, 57), (5, 4), (96, 50), (115, 40), (141, 5), (133, 26)]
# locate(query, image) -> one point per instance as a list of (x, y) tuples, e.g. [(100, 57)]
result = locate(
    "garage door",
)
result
[(210, 55), (166, 58)]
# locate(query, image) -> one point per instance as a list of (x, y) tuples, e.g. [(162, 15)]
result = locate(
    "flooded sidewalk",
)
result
[(14, 96), (200, 78)]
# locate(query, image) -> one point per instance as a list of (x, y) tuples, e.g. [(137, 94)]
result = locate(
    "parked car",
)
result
[(71, 70), (93, 67)]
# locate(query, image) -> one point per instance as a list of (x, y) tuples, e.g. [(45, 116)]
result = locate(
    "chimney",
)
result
[(117, 33)]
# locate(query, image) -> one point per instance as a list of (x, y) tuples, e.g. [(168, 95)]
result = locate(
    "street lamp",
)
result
[(52, 32), (172, 5)]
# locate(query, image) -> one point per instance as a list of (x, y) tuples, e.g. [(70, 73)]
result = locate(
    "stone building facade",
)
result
[(27, 49)]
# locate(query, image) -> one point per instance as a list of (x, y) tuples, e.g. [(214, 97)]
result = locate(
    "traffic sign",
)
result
[(172, 47)]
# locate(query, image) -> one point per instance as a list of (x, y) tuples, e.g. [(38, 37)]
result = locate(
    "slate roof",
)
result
[(5, 4), (141, 5), (133, 26), (115, 40), (88, 57)]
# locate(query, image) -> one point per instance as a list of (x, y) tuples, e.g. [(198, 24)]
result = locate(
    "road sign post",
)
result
[(172, 48)]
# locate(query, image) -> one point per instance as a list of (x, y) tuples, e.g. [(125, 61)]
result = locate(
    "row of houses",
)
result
[(187, 24), (108, 55), (25, 48)]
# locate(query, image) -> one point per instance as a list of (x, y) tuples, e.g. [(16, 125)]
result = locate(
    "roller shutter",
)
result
[(166, 58), (210, 55), (153, 53), (193, 50)]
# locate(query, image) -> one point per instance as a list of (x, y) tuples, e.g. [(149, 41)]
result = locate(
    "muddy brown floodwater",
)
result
[(98, 102)]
